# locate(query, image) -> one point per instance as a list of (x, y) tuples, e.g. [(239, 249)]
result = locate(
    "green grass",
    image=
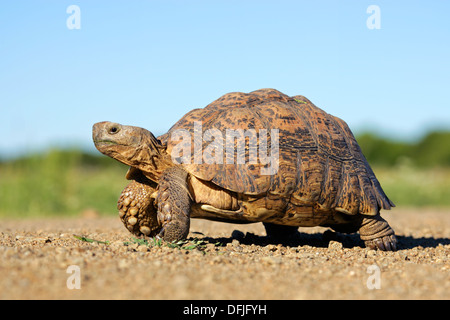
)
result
[(66, 183), (187, 244), (85, 239)]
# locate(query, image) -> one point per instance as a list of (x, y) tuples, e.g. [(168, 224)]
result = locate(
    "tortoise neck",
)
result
[(152, 159)]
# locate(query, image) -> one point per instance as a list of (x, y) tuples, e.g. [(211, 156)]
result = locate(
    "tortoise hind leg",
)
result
[(376, 233), (174, 203), (279, 231)]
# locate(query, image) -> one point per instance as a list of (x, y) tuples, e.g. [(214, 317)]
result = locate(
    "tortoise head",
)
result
[(133, 146)]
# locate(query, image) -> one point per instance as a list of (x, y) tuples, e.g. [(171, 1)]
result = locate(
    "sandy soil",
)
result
[(236, 262)]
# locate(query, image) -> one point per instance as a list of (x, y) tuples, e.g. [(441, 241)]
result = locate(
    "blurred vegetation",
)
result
[(60, 182), (415, 174), (433, 150), (70, 182)]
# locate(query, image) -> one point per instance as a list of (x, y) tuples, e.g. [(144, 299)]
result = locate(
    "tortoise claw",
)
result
[(160, 235), (386, 243)]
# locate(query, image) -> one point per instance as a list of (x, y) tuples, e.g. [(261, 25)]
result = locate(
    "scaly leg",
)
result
[(137, 210), (376, 233), (174, 204)]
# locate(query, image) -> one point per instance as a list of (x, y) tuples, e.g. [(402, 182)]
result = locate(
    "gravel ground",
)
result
[(231, 262)]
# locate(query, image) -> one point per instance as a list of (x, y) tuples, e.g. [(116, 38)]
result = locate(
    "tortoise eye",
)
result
[(113, 130)]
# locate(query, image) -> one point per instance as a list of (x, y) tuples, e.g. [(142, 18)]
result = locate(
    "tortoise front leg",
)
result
[(174, 204), (137, 210)]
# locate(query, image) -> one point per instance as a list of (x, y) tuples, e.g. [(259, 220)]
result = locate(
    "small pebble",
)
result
[(334, 245)]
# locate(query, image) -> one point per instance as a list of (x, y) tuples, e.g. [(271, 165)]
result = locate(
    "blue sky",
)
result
[(147, 63)]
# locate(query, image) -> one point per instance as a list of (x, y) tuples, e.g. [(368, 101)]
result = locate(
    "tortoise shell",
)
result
[(319, 162)]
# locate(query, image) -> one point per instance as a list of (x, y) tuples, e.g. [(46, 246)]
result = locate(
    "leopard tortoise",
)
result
[(319, 176)]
